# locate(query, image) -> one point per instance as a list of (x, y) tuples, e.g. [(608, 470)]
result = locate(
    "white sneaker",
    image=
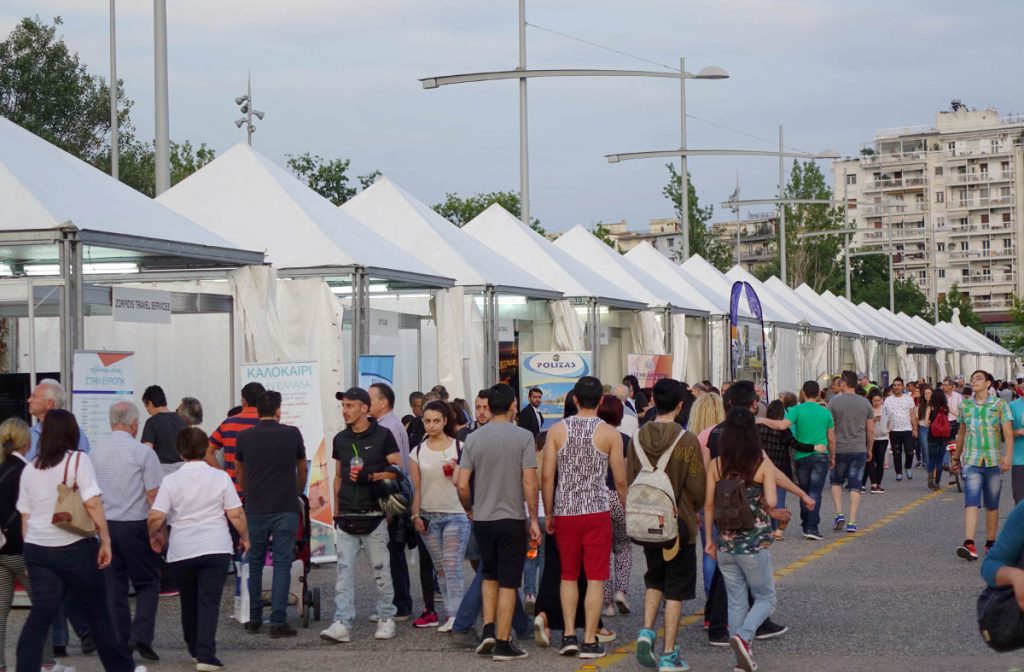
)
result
[(385, 629), (57, 667), (447, 625), (138, 668), (337, 633), (609, 610)]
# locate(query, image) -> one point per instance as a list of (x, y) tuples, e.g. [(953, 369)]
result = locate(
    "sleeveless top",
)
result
[(755, 539), (581, 488)]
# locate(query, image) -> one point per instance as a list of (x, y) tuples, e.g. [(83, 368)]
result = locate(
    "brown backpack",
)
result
[(732, 509)]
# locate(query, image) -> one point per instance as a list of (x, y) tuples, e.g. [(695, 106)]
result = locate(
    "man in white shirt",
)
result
[(129, 474), (903, 432), (630, 422)]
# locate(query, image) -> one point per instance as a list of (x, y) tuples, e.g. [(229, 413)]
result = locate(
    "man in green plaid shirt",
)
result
[(983, 418)]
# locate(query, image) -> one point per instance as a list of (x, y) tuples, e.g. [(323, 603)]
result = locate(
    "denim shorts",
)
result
[(849, 470), (982, 482)]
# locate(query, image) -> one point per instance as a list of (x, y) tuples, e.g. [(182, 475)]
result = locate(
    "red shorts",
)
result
[(584, 541)]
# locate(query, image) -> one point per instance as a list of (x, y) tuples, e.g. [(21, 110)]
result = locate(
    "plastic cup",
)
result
[(355, 466), (449, 469)]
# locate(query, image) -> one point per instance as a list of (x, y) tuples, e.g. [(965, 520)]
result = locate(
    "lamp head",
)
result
[(241, 99), (259, 115), (239, 122), (827, 154), (712, 72)]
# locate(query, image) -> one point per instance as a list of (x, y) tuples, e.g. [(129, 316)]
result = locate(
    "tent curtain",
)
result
[(907, 371), (450, 324), (567, 329), (680, 346), (786, 371), (771, 389), (720, 365), (472, 348), (872, 353), (253, 289), (860, 361), (822, 343), (940, 364), (648, 336)]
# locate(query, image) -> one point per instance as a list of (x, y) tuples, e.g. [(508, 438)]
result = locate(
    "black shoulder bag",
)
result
[(1000, 619)]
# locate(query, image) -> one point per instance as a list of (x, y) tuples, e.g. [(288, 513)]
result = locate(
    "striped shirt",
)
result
[(226, 435), (125, 471), (582, 467), (983, 423)]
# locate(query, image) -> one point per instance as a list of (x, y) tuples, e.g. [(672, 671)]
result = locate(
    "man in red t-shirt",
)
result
[(226, 435)]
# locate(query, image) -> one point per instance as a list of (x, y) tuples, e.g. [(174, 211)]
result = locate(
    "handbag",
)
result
[(69, 513), (1000, 619), (358, 524)]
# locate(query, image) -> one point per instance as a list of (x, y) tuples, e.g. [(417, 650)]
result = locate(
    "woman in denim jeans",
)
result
[(436, 510), (742, 554)]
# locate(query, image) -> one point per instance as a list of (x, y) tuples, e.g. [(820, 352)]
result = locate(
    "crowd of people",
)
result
[(546, 510)]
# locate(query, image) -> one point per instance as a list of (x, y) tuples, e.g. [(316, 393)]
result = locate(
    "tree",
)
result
[(812, 260), (137, 163), (869, 283), (702, 242), (1014, 340), (328, 177), (460, 211), (604, 234), (954, 298)]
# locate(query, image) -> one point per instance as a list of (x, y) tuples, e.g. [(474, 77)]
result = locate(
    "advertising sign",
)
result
[(299, 385), (141, 305), (555, 373), (376, 369), (649, 369), (100, 379), (746, 336)]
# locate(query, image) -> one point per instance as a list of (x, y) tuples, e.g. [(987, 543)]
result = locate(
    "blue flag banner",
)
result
[(747, 337)]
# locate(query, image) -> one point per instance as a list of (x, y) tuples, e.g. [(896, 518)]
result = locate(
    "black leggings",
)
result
[(902, 450), (876, 466)]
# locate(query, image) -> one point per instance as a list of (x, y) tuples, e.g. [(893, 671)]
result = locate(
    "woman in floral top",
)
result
[(778, 445), (743, 556)]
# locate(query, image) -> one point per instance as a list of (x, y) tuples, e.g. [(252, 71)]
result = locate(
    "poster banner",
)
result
[(99, 379), (301, 406), (555, 373), (746, 337), (376, 369), (649, 369)]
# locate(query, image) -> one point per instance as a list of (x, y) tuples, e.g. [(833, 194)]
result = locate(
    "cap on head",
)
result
[(354, 394)]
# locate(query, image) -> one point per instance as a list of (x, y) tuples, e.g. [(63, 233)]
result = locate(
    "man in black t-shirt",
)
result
[(161, 429), (363, 451), (270, 465)]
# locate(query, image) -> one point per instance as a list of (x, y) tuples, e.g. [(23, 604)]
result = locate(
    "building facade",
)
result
[(758, 238), (664, 234), (946, 198)]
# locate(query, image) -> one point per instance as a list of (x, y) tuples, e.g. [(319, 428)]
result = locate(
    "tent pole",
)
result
[(232, 364), (419, 354), (31, 334), (668, 331), (594, 320), (490, 336), (360, 337)]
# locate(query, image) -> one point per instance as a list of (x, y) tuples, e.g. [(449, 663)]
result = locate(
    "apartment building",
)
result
[(758, 237), (664, 234), (947, 199)]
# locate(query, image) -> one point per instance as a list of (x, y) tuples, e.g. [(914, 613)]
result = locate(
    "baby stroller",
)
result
[(306, 600)]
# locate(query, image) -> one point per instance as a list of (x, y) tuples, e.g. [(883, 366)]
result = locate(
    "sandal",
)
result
[(777, 534)]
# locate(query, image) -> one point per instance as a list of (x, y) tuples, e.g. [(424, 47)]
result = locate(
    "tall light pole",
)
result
[(163, 133), (115, 136), (782, 211), (524, 144), (684, 178)]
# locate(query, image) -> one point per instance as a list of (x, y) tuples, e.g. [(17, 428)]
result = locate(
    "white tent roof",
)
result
[(411, 225), (908, 335), (504, 233), (938, 338), (249, 199), (44, 188), (588, 249), (825, 305), (700, 267), (782, 300), (879, 328), (979, 343), (657, 264), (961, 335)]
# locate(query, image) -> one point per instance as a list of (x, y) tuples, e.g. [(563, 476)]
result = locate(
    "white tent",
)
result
[(781, 301), (672, 274)]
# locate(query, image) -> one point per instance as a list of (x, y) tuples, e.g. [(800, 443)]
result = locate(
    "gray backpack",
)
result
[(652, 519)]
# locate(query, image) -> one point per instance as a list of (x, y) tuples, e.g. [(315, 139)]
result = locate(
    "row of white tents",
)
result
[(264, 269)]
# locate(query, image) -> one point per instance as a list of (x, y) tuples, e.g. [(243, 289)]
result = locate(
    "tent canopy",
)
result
[(779, 300), (672, 274), (448, 250), (819, 302), (588, 249), (504, 233), (247, 198), (48, 192), (771, 311)]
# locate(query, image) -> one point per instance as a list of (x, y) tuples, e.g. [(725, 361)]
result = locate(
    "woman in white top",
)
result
[(436, 510), (60, 561), (193, 501), (876, 465)]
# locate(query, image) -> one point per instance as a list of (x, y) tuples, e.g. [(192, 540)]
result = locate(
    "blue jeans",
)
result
[(446, 538), (740, 572), (473, 605), (533, 567), (54, 572), (780, 496), (936, 454), (376, 546), (922, 443), (849, 471), (811, 472), (278, 531), (982, 483), (708, 565)]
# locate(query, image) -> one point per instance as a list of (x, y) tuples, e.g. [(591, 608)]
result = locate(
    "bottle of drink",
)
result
[(531, 551)]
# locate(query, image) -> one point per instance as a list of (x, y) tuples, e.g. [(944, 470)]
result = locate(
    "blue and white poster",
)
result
[(746, 336), (376, 369), (555, 374)]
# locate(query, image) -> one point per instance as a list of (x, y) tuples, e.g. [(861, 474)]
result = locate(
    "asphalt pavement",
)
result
[(892, 598)]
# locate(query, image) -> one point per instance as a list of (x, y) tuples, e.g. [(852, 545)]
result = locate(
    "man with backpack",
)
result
[(662, 451)]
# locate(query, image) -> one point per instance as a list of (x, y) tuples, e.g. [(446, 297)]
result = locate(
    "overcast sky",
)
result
[(339, 78)]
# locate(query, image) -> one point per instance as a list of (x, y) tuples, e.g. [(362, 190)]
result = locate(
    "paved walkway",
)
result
[(892, 598)]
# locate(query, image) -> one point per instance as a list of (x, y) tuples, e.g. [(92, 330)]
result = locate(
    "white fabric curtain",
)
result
[(451, 326), (680, 346), (860, 360), (907, 369), (254, 290), (648, 336), (771, 389), (822, 343), (872, 353), (567, 329), (787, 360), (940, 364), (719, 355), (473, 348)]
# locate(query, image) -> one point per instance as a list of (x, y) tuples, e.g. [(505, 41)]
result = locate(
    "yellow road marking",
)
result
[(627, 651)]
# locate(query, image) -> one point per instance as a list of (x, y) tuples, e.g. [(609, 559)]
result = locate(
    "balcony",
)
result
[(992, 304), (979, 177), (1000, 252), (897, 183), (987, 279), (893, 211)]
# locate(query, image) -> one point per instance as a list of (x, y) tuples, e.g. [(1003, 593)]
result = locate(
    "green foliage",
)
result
[(460, 211), (955, 299), (46, 89), (328, 177), (137, 163), (1014, 340), (604, 234), (717, 253), (812, 260), (869, 283)]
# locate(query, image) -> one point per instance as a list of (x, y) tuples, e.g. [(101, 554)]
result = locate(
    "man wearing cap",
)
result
[(865, 382), (363, 451)]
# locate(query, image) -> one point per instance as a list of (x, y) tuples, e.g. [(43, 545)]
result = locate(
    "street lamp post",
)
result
[(245, 103), (114, 130), (162, 108)]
